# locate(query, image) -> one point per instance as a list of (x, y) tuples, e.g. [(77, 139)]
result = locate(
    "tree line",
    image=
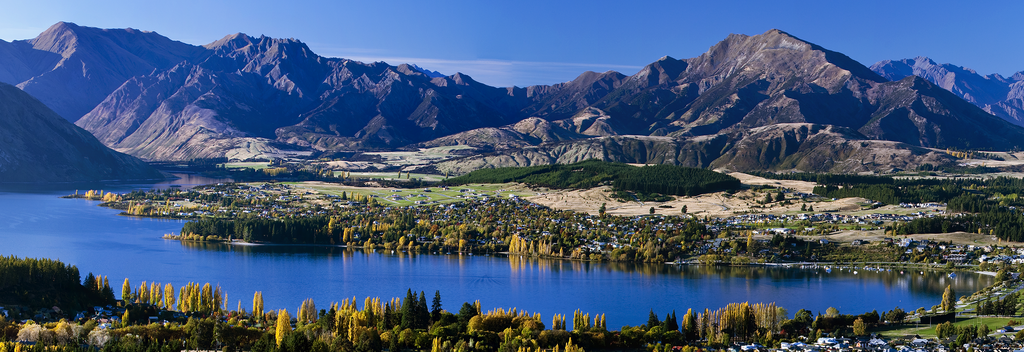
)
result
[(664, 179), (48, 282), (401, 324)]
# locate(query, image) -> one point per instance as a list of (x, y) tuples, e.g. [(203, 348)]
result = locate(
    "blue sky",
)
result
[(528, 42)]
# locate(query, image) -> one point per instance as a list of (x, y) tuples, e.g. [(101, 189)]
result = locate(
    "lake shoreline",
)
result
[(839, 265)]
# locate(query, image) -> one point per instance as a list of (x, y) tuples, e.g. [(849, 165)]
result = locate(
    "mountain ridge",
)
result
[(997, 95), (243, 96)]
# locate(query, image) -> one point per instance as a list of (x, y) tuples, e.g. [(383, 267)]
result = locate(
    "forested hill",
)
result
[(664, 179)]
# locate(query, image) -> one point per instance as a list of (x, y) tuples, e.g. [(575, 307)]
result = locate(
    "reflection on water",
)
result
[(187, 181), (183, 180), (910, 280), (97, 240)]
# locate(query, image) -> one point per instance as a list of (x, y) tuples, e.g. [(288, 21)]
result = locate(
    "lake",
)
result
[(38, 223)]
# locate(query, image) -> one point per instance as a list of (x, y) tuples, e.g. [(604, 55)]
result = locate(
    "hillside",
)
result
[(37, 145), (783, 147)]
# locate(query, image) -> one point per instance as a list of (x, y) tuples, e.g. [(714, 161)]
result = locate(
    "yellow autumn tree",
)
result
[(284, 326)]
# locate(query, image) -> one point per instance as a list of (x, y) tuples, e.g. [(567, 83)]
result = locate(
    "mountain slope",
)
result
[(71, 68), (998, 95), (37, 145), (780, 147), (255, 90)]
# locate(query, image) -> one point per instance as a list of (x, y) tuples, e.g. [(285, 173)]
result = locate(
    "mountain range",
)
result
[(768, 101), (997, 95)]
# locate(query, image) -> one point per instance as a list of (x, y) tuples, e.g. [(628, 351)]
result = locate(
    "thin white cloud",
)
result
[(503, 73)]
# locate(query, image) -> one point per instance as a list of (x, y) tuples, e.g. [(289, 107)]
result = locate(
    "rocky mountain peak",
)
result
[(60, 38), (774, 53), (231, 42)]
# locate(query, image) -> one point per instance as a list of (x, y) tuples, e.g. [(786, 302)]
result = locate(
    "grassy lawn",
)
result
[(247, 165), (926, 331)]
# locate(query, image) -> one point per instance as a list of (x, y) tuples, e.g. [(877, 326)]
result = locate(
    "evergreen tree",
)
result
[(422, 312), (652, 320), (466, 312), (90, 284), (689, 327), (409, 310), (670, 323), (435, 307), (107, 293), (387, 322)]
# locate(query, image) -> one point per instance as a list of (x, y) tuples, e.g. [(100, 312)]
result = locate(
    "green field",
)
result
[(426, 196), (390, 175), (258, 165), (928, 331), (419, 157)]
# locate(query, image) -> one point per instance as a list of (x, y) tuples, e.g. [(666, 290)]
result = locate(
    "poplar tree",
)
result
[(284, 326), (948, 299), (169, 297), (143, 296), (859, 327), (126, 291), (689, 327), (257, 305)]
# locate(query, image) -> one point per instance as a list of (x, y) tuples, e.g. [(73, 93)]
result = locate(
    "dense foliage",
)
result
[(494, 225), (48, 282), (986, 206), (665, 179), (827, 179), (1005, 189)]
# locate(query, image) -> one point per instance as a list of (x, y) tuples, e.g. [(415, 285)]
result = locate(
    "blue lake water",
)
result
[(39, 224)]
